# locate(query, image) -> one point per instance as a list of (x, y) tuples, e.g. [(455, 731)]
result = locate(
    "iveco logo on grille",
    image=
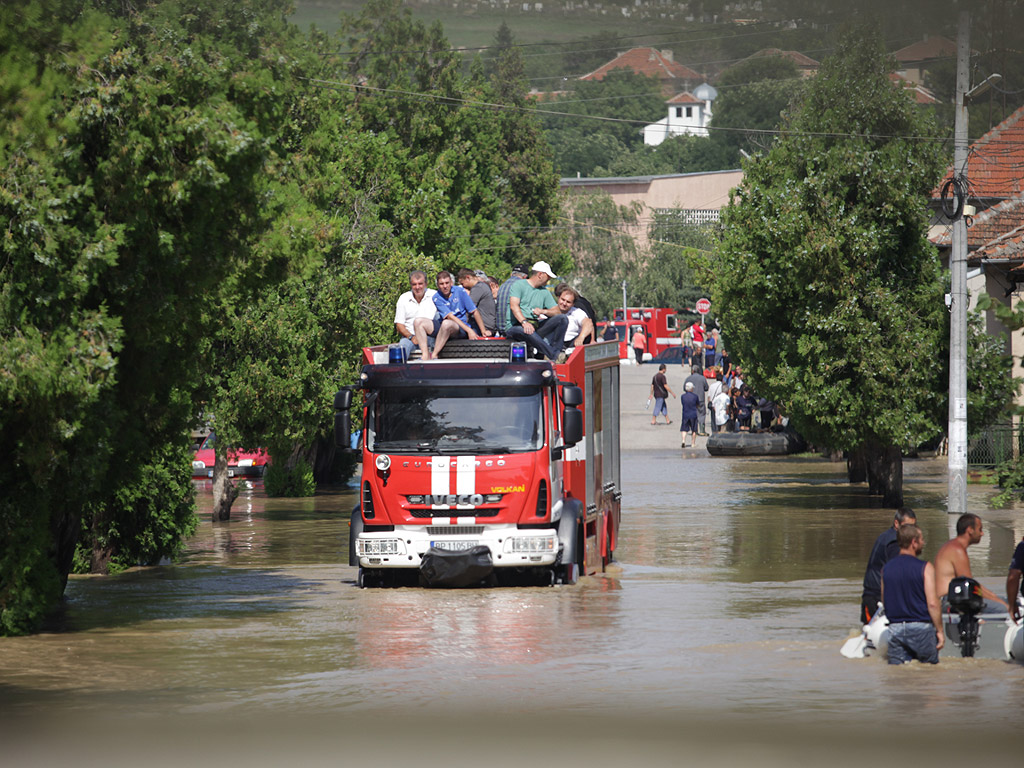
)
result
[(452, 499)]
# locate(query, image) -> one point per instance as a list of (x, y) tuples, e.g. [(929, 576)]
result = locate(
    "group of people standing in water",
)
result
[(913, 592)]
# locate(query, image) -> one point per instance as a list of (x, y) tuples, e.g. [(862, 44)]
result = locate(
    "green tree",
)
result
[(603, 250), (586, 55), (629, 101), (679, 154), (753, 96), (826, 283), (387, 178), (668, 278), (121, 153)]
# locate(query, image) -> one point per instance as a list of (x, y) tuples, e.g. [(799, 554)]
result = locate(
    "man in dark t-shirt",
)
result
[(660, 391), (884, 550), (911, 604), (480, 292)]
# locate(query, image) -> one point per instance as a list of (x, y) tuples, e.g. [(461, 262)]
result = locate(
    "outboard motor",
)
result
[(965, 599)]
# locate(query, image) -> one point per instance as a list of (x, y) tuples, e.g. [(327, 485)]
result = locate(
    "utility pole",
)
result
[(957, 502), (625, 314)]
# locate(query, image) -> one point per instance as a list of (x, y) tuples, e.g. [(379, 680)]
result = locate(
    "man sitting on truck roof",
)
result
[(580, 327), (526, 298), (480, 293), (501, 300), (454, 306), (417, 302)]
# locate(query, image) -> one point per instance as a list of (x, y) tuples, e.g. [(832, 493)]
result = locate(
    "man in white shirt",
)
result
[(714, 387), (580, 325), (720, 408), (416, 303)]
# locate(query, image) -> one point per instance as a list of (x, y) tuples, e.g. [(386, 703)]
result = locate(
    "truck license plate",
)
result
[(453, 546)]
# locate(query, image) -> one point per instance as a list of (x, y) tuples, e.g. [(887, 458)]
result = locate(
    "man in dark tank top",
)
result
[(911, 603)]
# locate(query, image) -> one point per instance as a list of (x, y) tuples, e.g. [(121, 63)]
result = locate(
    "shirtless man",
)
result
[(952, 561)]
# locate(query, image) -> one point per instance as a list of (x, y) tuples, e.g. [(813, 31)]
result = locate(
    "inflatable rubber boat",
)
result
[(983, 633), (755, 443)]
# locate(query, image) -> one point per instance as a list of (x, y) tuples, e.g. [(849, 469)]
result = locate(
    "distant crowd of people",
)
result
[(716, 388), (521, 308)]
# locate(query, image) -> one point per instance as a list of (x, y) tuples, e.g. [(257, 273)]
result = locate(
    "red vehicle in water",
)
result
[(510, 463), (240, 463), (661, 325)]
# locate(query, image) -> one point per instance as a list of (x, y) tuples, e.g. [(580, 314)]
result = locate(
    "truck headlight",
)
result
[(530, 544), (375, 547)]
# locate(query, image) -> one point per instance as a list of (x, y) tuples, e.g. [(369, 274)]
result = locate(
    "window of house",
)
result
[(689, 111), (679, 111)]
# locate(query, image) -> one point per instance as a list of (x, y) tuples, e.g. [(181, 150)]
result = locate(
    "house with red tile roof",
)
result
[(661, 65), (921, 94), (805, 65), (995, 232), (915, 58)]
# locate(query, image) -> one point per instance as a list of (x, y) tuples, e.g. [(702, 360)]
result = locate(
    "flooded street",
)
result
[(739, 580)]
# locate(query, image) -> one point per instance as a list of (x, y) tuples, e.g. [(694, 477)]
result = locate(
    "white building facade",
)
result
[(687, 114)]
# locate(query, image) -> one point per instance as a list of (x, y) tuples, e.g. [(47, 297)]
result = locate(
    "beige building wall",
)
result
[(698, 192)]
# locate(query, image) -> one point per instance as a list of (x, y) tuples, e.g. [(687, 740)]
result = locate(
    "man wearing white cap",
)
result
[(547, 336)]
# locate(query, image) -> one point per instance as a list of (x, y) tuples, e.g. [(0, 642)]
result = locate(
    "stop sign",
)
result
[(703, 306)]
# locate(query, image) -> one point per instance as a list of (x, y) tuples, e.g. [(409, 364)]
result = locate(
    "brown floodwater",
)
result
[(738, 581)]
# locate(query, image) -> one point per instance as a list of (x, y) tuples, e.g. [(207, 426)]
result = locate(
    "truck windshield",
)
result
[(471, 420)]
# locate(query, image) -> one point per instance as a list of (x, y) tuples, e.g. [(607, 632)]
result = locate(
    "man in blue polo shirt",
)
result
[(453, 308)]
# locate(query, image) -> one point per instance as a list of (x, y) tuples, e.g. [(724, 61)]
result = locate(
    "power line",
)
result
[(340, 85)]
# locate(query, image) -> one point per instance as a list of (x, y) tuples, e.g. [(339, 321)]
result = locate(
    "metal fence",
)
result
[(993, 446)]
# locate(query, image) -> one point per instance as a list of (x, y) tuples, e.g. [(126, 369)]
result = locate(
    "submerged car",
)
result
[(240, 463)]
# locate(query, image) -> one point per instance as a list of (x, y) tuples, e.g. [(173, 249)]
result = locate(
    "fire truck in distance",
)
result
[(485, 468), (661, 324)]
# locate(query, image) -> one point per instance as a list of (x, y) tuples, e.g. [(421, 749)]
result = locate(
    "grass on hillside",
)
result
[(470, 29)]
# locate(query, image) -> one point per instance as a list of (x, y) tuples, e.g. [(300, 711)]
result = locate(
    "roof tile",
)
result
[(1008, 246), (995, 163), (936, 47), (646, 61), (989, 224)]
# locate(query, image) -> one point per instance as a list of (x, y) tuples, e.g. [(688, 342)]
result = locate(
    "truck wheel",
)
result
[(463, 348), (569, 574), (369, 579)]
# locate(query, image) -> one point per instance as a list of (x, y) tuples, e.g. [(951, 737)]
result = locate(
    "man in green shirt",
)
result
[(546, 336)]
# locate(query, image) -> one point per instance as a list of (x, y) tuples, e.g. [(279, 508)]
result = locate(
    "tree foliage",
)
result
[(825, 282), (678, 154), (603, 249), (203, 214), (753, 95), (667, 278), (582, 145)]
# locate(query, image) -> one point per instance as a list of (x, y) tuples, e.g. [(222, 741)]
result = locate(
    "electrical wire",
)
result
[(344, 86)]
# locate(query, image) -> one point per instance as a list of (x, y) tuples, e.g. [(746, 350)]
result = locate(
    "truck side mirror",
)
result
[(572, 395), (572, 425), (343, 419)]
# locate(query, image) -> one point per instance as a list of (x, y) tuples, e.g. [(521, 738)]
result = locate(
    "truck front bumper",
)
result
[(406, 545)]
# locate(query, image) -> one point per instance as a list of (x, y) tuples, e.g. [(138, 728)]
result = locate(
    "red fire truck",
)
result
[(506, 465), (662, 326)]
